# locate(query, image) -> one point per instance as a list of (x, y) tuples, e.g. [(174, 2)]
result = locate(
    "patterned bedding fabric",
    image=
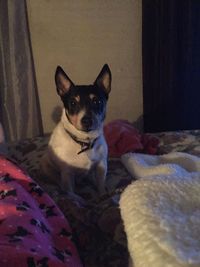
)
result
[(33, 230), (95, 221)]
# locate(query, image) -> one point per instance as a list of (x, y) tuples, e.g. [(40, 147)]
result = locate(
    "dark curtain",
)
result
[(171, 64), (19, 102)]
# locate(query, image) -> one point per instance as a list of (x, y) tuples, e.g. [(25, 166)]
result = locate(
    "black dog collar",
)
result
[(84, 145)]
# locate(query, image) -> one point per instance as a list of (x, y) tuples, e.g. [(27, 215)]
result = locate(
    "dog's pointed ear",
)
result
[(63, 82), (104, 79)]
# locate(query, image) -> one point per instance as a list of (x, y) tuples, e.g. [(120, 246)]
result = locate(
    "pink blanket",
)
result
[(122, 138), (33, 231)]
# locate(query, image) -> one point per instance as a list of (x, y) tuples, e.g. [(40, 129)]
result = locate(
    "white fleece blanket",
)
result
[(161, 211)]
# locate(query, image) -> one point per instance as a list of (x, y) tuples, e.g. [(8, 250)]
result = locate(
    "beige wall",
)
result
[(82, 35)]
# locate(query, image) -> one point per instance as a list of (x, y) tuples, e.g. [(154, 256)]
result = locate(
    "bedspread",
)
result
[(33, 231), (96, 222)]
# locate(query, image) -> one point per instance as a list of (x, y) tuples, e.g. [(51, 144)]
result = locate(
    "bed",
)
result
[(97, 226)]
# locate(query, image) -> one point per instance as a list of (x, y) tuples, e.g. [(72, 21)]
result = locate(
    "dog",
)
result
[(77, 147)]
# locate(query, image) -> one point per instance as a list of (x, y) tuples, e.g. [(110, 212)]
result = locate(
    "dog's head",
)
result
[(85, 105)]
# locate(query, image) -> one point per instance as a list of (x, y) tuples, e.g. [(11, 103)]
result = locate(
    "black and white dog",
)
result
[(77, 146)]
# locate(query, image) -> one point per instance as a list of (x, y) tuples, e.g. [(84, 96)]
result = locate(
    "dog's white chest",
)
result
[(65, 151)]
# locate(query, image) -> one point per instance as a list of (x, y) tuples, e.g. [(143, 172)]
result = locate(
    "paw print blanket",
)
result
[(33, 231)]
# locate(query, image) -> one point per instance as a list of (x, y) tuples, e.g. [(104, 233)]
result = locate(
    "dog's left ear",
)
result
[(104, 79)]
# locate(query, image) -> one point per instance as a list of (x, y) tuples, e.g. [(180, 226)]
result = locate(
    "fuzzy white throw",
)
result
[(161, 211)]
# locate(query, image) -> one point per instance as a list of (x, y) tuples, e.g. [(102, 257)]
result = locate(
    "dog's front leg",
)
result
[(100, 176), (67, 181)]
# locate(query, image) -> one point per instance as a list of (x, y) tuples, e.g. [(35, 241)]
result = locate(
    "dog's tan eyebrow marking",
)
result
[(77, 98), (91, 96)]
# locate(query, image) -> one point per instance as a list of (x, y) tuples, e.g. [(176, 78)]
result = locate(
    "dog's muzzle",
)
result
[(87, 123)]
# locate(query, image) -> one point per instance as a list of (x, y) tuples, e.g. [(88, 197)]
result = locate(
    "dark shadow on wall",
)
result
[(139, 123), (56, 114)]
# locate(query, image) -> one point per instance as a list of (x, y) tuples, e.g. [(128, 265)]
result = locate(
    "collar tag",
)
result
[(86, 146)]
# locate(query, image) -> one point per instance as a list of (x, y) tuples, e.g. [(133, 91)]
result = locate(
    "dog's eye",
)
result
[(73, 103), (96, 101)]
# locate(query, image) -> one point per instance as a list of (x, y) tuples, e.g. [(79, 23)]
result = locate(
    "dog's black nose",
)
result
[(86, 122)]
